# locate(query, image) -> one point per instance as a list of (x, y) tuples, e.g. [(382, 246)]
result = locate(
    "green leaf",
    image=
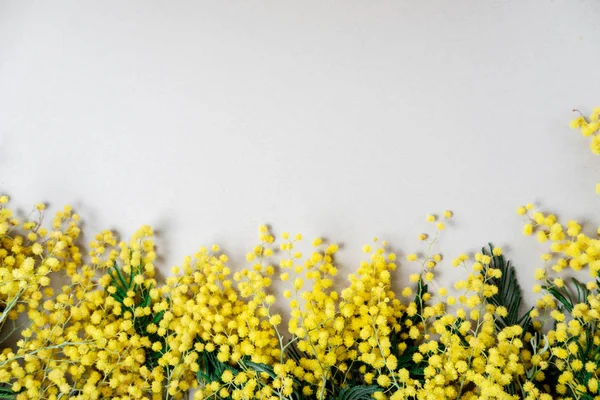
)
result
[(406, 359), (421, 290), (294, 353), (582, 291), (509, 292), (120, 276), (260, 367), (7, 393), (118, 297), (158, 317), (358, 392), (562, 296)]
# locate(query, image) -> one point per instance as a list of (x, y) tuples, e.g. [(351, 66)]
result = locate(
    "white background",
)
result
[(348, 119)]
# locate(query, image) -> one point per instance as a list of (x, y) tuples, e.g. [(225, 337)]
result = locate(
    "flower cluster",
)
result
[(572, 306), (589, 127), (113, 331), (99, 324)]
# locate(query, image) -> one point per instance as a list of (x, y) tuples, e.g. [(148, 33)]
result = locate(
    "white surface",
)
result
[(347, 119)]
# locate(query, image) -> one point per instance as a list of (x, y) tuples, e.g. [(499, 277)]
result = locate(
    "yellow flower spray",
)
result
[(99, 325)]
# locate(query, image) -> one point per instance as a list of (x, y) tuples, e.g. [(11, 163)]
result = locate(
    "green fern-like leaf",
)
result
[(125, 283), (7, 393), (509, 293), (358, 392)]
